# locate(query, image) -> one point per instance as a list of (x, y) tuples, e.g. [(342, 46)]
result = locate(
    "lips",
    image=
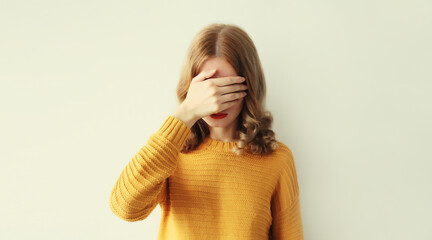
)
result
[(219, 115)]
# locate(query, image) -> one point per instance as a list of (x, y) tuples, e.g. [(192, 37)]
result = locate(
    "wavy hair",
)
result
[(236, 47)]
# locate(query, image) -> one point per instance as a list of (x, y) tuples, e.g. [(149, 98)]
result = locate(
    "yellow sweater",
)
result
[(209, 193)]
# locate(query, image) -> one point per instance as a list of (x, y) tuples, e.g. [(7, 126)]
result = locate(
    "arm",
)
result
[(285, 204), (141, 185)]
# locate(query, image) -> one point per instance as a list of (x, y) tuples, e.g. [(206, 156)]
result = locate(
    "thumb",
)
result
[(203, 75)]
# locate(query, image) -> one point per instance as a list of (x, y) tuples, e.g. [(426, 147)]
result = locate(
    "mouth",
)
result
[(219, 115)]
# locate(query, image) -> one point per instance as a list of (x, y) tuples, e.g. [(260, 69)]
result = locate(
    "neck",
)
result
[(224, 134)]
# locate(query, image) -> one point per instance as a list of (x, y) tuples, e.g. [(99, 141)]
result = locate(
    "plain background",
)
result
[(85, 83)]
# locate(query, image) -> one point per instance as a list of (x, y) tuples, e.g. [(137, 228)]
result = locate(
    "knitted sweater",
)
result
[(210, 192)]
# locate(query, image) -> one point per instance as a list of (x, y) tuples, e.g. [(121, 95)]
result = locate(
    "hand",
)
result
[(207, 95)]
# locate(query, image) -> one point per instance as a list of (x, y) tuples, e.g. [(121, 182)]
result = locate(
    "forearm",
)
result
[(138, 188)]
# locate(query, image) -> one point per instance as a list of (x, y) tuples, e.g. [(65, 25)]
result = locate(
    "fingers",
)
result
[(232, 97), (231, 88), (223, 81), (203, 75)]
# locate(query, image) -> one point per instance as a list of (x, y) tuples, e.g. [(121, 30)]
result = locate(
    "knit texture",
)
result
[(210, 192)]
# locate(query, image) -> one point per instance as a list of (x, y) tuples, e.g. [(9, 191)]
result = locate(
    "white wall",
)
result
[(349, 85)]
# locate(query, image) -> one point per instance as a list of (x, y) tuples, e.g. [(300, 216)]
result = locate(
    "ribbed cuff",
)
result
[(175, 131)]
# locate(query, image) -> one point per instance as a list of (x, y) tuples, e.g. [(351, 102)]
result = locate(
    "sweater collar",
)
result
[(213, 144)]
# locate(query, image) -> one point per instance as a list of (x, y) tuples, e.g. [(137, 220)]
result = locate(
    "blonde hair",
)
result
[(236, 47)]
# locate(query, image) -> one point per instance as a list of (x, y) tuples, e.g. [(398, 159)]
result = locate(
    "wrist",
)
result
[(185, 115)]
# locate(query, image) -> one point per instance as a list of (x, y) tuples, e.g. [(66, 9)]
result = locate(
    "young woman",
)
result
[(214, 165)]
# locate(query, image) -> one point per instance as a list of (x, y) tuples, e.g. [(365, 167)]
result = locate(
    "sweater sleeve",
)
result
[(141, 185), (285, 204)]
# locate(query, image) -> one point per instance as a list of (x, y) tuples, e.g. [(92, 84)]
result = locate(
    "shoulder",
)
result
[(283, 148), (284, 157), (284, 151), (286, 189)]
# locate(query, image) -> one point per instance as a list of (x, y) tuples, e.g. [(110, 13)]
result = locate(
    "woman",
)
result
[(214, 166)]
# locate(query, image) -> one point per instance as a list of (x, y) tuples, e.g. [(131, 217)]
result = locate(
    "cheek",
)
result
[(237, 107)]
